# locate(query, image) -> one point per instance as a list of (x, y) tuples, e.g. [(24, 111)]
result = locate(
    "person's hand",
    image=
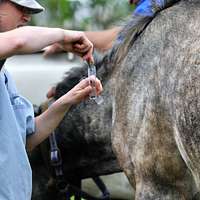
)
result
[(76, 42), (81, 91), (52, 49), (51, 92)]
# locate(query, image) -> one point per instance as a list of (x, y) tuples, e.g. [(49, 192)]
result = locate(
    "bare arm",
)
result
[(49, 120), (46, 123), (30, 39), (103, 40)]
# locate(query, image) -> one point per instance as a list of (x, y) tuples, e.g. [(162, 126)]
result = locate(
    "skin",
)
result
[(12, 19), (14, 41)]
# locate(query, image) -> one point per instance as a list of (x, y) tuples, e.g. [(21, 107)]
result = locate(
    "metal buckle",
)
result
[(55, 157)]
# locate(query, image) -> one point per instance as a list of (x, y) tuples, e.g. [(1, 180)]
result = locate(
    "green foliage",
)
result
[(56, 12), (83, 14)]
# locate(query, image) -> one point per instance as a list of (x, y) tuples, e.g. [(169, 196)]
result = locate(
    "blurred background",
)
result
[(83, 14)]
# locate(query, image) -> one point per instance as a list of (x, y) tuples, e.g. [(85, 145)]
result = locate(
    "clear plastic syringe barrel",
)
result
[(92, 75)]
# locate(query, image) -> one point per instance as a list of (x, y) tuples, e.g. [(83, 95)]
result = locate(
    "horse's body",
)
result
[(151, 105), (156, 121)]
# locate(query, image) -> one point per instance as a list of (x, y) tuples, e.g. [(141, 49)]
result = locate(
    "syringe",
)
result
[(92, 75)]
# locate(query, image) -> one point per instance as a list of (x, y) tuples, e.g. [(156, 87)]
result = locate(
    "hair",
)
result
[(133, 29)]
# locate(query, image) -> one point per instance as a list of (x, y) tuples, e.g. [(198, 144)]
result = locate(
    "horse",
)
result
[(83, 137), (156, 123), (151, 106)]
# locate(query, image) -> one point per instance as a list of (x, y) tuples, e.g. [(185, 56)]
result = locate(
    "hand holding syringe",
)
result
[(92, 76)]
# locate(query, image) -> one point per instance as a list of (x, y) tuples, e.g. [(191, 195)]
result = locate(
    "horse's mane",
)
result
[(131, 31)]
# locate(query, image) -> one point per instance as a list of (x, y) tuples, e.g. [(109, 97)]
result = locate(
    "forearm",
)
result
[(49, 120), (28, 39), (103, 40), (46, 123)]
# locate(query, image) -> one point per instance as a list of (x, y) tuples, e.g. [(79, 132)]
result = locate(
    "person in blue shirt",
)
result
[(19, 130)]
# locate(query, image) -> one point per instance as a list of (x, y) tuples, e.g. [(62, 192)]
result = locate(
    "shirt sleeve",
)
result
[(24, 113), (22, 107), (30, 119)]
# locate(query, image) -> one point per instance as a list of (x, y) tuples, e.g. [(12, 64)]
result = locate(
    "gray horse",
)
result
[(151, 108), (156, 106)]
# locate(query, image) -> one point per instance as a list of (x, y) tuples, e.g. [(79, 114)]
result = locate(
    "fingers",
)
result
[(85, 47), (82, 47), (51, 92), (88, 56), (81, 91), (85, 51), (48, 51), (99, 87), (86, 82), (83, 83), (52, 49), (84, 93)]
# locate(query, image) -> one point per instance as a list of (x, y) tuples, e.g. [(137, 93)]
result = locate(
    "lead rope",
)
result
[(62, 185)]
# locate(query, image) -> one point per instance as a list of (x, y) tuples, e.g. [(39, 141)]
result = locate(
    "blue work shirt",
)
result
[(16, 121)]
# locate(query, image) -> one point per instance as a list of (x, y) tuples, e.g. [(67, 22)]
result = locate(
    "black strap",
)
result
[(2, 63), (63, 186)]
